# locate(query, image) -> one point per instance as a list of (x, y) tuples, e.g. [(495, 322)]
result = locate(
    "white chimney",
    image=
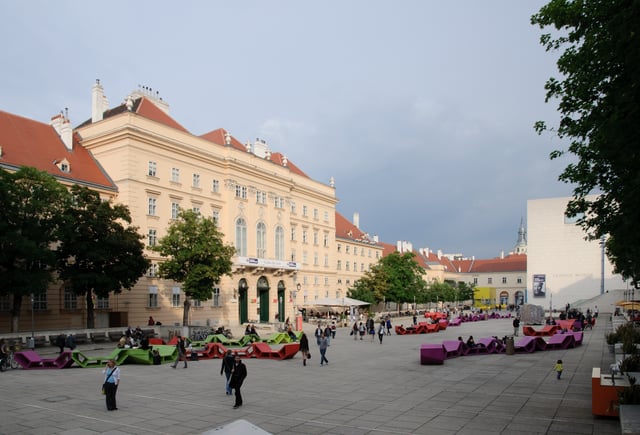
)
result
[(439, 254), (502, 255), (63, 127), (356, 220), (99, 103)]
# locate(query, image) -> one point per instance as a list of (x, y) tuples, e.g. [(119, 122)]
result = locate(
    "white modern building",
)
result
[(562, 266)]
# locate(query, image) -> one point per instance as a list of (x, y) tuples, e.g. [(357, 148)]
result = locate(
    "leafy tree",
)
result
[(31, 203), (196, 256), (97, 254), (599, 104), (396, 278)]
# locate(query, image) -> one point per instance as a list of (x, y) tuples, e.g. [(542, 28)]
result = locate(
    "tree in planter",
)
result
[(196, 256), (97, 254)]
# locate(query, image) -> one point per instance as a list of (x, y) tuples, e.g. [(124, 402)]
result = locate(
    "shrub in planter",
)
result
[(630, 364), (630, 395)]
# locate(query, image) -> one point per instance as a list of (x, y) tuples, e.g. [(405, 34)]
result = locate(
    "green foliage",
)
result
[(97, 253), (599, 101), (196, 256), (31, 203), (630, 395), (396, 278)]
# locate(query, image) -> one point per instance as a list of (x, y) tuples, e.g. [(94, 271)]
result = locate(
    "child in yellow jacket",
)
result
[(558, 368)]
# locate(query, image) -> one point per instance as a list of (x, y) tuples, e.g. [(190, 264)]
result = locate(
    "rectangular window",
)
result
[(325, 240), (519, 280), (153, 296), (304, 257), (315, 258), (504, 280), (152, 237), (215, 186), (241, 191), (152, 272), (475, 281), (152, 207), (315, 213), (326, 260), (70, 300), (102, 303), (304, 211), (326, 216), (489, 280), (153, 166), (346, 266), (339, 266), (40, 301), (196, 180), (216, 297), (347, 249), (216, 216), (293, 207), (175, 297), (293, 255), (195, 209), (261, 197), (339, 247), (175, 175), (361, 267), (293, 233), (304, 236), (315, 238), (175, 210), (196, 303)]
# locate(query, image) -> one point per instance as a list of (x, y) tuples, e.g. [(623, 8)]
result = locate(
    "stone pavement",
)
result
[(367, 388)]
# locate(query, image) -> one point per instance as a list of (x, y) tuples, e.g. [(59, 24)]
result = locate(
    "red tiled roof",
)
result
[(347, 230), (510, 263), (26, 142)]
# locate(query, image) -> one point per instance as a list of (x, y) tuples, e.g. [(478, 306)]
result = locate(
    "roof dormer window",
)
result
[(63, 165)]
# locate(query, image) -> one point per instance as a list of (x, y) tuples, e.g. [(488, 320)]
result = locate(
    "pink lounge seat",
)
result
[(431, 353)]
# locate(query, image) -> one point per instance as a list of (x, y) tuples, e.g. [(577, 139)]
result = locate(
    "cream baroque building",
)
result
[(281, 222)]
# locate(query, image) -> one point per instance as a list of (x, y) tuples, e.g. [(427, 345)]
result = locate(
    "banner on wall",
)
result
[(539, 286)]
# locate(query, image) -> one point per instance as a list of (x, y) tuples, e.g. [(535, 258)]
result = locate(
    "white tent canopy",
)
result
[(338, 302)]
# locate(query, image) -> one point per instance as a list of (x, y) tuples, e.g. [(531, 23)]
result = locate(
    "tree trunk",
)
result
[(91, 320), (15, 312), (185, 313)]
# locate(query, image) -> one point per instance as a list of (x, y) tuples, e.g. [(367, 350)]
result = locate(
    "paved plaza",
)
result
[(367, 388)]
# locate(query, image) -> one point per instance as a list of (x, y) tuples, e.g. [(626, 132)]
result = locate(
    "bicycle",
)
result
[(8, 361)]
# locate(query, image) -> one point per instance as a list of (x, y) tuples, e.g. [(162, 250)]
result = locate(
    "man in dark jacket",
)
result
[(238, 374), (516, 326), (227, 366)]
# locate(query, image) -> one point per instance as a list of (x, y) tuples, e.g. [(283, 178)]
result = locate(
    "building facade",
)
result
[(563, 267)]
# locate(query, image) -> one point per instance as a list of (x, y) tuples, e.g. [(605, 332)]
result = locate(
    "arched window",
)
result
[(279, 243), (261, 240), (241, 237)]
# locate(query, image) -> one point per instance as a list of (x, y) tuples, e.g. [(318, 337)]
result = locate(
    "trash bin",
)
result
[(31, 343), (511, 347)]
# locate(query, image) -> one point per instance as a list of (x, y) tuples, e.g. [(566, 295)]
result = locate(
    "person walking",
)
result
[(238, 375), (381, 331), (354, 330), (516, 326), (304, 348), (182, 352), (558, 368), (388, 325), (318, 334), (327, 334), (227, 366), (111, 381), (323, 350)]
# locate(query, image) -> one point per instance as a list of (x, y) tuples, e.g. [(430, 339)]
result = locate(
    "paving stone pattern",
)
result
[(367, 388)]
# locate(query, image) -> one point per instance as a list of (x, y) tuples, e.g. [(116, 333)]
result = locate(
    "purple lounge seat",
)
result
[(561, 341), (30, 360), (452, 348), (455, 322), (486, 345), (577, 337), (432, 354), (526, 344)]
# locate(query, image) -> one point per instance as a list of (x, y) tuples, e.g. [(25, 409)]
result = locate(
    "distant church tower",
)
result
[(521, 246)]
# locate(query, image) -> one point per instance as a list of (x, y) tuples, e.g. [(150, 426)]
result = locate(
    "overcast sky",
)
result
[(422, 111)]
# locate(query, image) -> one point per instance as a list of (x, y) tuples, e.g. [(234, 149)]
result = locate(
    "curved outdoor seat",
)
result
[(486, 345), (561, 341), (526, 344), (30, 360), (455, 322), (452, 348)]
